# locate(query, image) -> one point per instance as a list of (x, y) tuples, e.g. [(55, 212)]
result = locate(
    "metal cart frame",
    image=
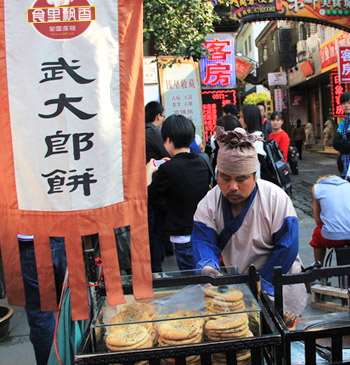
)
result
[(308, 337), (262, 347)]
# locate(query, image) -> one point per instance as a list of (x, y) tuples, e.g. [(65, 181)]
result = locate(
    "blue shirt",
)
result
[(333, 194)]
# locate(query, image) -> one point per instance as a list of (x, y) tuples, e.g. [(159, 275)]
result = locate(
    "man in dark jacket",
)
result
[(342, 138), (154, 113), (180, 184)]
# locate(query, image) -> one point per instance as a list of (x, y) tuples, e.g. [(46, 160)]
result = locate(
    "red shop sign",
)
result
[(337, 89), (212, 103)]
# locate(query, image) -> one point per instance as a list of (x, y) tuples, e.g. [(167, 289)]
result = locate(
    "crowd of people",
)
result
[(218, 204), (225, 209)]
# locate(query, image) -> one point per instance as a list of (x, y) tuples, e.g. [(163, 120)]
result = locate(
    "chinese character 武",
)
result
[(54, 70)]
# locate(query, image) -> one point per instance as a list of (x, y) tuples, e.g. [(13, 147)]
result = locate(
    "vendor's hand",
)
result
[(290, 319), (210, 271)]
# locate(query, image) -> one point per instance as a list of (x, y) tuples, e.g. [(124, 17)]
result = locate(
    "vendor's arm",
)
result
[(204, 237), (285, 238)]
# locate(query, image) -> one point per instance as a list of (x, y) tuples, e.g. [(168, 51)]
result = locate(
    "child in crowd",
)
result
[(279, 135), (179, 184)]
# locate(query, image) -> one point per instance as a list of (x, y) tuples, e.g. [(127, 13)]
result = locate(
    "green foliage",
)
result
[(178, 27), (255, 98)]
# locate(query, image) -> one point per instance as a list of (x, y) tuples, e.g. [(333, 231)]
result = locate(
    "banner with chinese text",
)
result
[(180, 90), (71, 120), (218, 69), (334, 12), (344, 64), (337, 89)]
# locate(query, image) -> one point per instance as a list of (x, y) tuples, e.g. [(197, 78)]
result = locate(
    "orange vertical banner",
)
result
[(72, 142)]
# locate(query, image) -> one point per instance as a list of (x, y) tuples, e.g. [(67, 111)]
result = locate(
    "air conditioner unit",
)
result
[(301, 47)]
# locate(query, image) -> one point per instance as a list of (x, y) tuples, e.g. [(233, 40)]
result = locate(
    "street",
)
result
[(17, 349)]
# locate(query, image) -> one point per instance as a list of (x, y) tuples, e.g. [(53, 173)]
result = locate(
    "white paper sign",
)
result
[(64, 97), (278, 96), (181, 92), (150, 71), (277, 78)]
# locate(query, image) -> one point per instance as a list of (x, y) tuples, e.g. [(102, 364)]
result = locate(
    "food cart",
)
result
[(190, 291)]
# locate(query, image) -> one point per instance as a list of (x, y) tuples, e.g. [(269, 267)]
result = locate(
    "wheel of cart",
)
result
[(318, 337), (262, 346)]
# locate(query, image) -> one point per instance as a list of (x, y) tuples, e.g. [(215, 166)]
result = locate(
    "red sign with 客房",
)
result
[(344, 64), (212, 103), (217, 69), (337, 89)]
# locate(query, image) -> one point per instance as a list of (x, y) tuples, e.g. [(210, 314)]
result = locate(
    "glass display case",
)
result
[(191, 314), (191, 317)]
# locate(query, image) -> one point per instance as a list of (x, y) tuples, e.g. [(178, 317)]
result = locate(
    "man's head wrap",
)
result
[(237, 154)]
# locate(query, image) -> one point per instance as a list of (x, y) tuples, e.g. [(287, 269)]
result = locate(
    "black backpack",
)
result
[(274, 168), (206, 159)]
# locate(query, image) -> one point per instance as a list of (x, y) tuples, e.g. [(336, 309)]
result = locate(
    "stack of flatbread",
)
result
[(145, 335), (223, 299), (129, 337), (180, 332), (228, 327)]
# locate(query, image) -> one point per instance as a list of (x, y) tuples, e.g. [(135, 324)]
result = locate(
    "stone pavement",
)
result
[(17, 350)]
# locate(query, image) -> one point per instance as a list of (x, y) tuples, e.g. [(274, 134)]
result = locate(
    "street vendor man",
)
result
[(245, 221)]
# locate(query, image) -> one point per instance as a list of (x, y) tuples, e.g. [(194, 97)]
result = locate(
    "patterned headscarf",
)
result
[(237, 154)]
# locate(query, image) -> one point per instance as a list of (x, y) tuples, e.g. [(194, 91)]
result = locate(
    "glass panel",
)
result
[(178, 316)]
